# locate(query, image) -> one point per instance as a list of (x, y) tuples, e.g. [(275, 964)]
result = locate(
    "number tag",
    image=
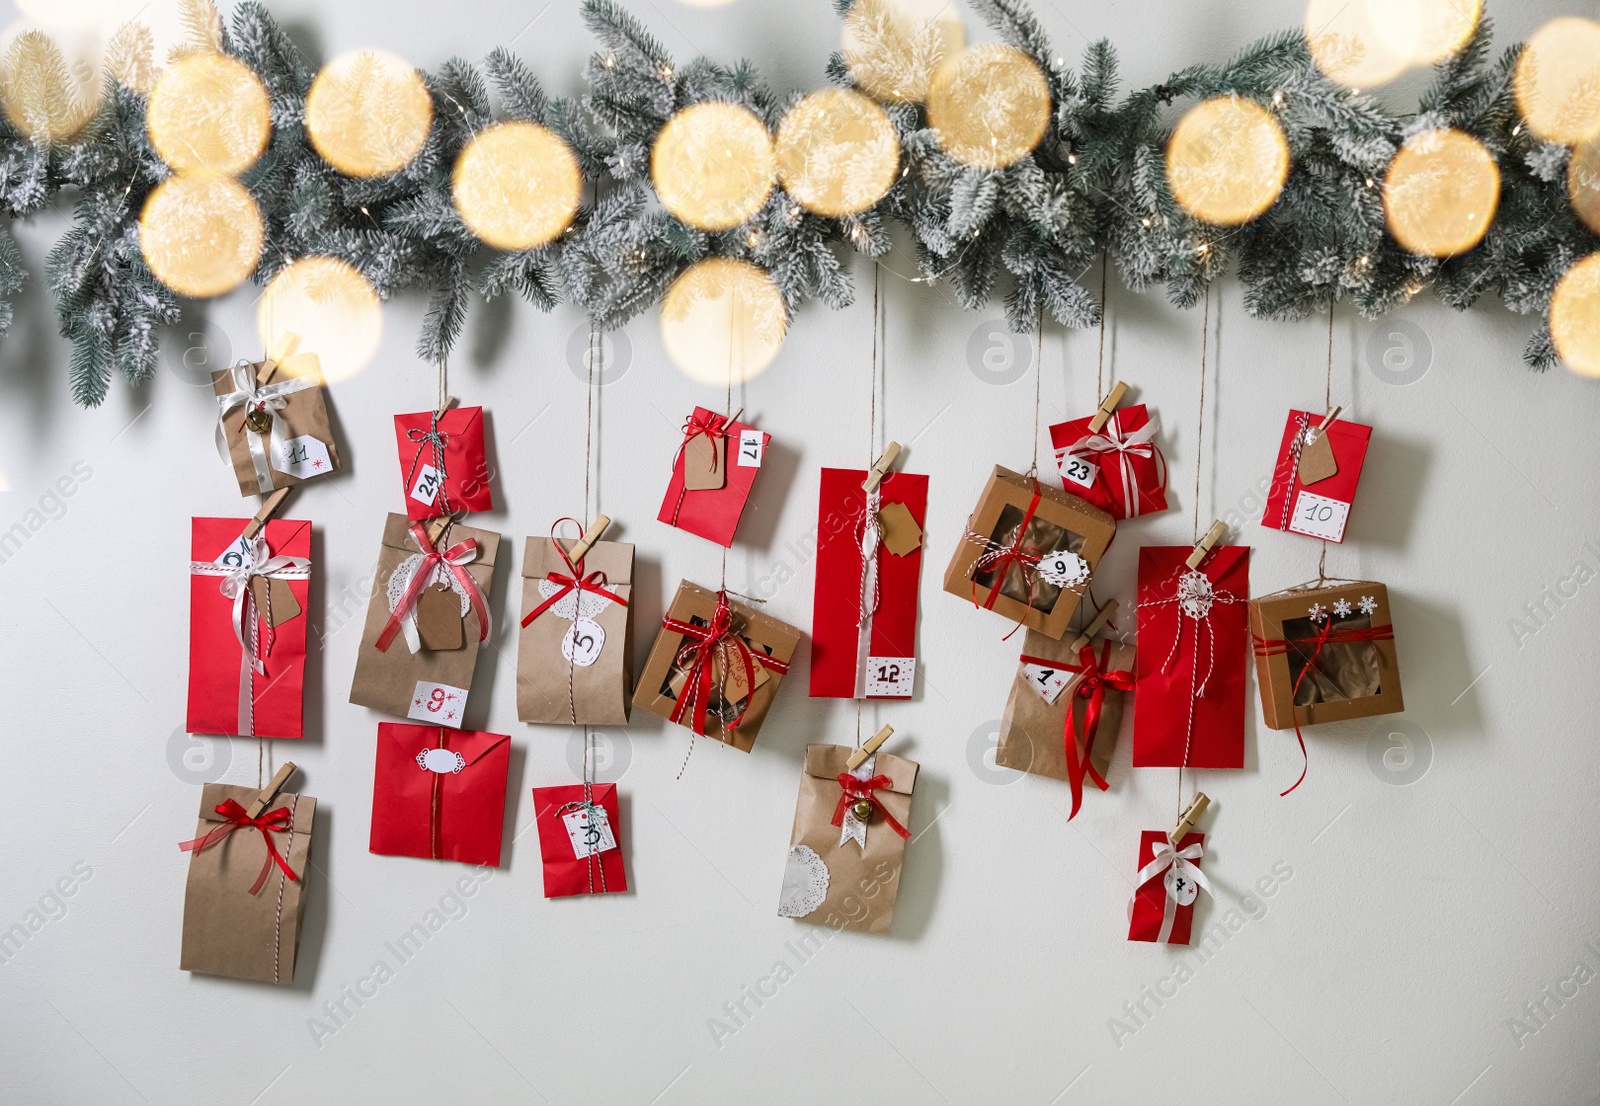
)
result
[(438, 704), (1048, 682), (583, 641), (891, 677), (588, 838), (1064, 569), (426, 489), (750, 448), (1078, 470), (304, 457), (1180, 888), (1318, 516)]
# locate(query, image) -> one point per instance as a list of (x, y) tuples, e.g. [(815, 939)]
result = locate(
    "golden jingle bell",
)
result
[(258, 421), (861, 809)]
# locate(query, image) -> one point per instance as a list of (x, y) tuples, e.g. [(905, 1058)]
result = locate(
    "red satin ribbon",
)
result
[(594, 582), (1272, 647), (1023, 556), (431, 558), (274, 821), (854, 790), (714, 427), (1092, 686), (696, 659)]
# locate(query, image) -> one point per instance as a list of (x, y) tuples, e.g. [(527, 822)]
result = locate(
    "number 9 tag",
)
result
[(1064, 568), (583, 642)]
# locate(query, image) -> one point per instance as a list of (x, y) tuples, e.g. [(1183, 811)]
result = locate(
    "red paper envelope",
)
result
[(439, 793), (567, 871), (1121, 469), (713, 513), (1321, 508), (444, 474), (873, 657), (229, 693), (1194, 648), (1163, 905)]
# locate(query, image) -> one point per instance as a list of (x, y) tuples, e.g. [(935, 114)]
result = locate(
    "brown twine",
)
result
[(1100, 367), (1200, 424), (1038, 384), (1327, 405)]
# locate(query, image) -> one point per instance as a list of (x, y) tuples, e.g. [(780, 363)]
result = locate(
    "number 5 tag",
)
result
[(583, 642)]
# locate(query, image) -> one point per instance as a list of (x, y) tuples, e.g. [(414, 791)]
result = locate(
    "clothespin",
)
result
[(449, 402), (590, 536), (271, 504), (288, 342), (880, 468), (438, 526), (1094, 627), (1189, 818), (1108, 408), (733, 418), (274, 785), (1218, 530), (874, 743), (1327, 420)]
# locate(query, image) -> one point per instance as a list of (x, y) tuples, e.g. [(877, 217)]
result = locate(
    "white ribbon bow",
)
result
[(1178, 862), (1112, 440), (271, 398)]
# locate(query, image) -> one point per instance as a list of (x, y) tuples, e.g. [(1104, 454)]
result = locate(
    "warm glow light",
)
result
[(989, 106), (200, 235), (892, 48), (1583, 182), (712, 165), (516, 185), (1575, 317), (41, 89), (368, 113), (1345, 42), (1424, 32), (1227, 161), (331, 308), (837, 153), (723, 321), (1440, 193), (208, 112), (1557, 81)]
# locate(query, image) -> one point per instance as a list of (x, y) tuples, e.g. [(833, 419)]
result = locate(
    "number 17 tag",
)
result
[(750, 448)]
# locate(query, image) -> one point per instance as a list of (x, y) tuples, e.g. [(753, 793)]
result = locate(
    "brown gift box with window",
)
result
[(998, 563), (1325, 654)]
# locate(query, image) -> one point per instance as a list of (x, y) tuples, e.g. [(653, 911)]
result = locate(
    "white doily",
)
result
[(401, 581), (805, 883), (1194, 594), (575, 604), (1064, 568)]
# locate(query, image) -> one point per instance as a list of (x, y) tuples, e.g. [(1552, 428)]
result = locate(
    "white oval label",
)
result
[(441, 761), (1180, 887), (583, 642), (1064, 568)]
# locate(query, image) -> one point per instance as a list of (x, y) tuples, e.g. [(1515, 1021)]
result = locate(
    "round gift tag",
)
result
[(1064, 568), (583, 642), (441, 761), (1180, 888)]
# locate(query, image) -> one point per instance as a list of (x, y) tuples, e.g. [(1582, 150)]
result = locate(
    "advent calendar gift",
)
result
[(579, 827), (713, 471), (1314, 480), (247, 626), (1118, 468), (575, 648), (849, 839), (443, 467), (869, 563), (274, 428), (715, 666), (426, 621), (1169, 880), (1029, 552), (439, 793)]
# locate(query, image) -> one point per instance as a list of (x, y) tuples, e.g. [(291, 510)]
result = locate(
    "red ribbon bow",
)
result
[(1092, 684), (274, 821), (455, 558), (714, 427), (1000, 560), (853, 790), (577, 581), (703, 643)]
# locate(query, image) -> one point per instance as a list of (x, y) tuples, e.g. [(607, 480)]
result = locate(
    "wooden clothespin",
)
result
[(438, 526), (449, 402), (288, 342), (271, 504), (590, 536), (1328, 419), (874, 743), (267, 793), (1094, 627), (733, 418), (1189, 818), (1219, 529), (880, 468), (1108, 408)]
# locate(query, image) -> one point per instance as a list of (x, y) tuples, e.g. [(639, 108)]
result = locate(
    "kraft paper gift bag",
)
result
[(274, 434), (575, 648), (439, 793)]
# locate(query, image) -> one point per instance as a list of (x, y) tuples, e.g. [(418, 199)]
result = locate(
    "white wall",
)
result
[(1416, 921)]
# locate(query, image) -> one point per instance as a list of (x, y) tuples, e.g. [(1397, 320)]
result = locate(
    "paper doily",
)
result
[(805, 883), (575, 604), (1195, 594), (401, 580)]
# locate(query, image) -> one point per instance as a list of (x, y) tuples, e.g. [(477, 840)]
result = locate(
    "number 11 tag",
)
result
[(589, 837)]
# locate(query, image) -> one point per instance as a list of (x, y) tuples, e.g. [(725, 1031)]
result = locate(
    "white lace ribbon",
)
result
[(253, 396), (1111, 440), (871, 541), (1178, 861)]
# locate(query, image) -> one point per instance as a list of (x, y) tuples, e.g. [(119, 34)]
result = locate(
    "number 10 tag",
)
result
[(589, 837), (891, 677)]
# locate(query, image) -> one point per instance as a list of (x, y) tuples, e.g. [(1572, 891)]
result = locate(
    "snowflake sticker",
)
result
[(1318, 612), (1342, 608), (1195, 594), (1368, 604)]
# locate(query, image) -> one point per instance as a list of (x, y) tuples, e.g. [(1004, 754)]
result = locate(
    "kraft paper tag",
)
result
[(1316, 459), (704, 463), (439, 618), (273, 599), (901, 534)]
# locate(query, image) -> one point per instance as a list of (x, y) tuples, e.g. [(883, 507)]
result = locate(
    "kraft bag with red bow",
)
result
[(843, 870), (1029, 552), (715, 666), (245, 897), (1120, 469), (1169, 882), (1064, 710), (575, 648), (1314, 479), (426, 622), (439, 793), (247, 627), (712, 473), (443, 464), (275, 434)]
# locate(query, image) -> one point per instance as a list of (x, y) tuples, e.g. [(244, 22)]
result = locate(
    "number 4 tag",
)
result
[(891, 677)]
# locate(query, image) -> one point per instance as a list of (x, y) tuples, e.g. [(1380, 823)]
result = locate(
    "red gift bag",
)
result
[(443, 467), (1120, 469), (864, 613), (439, 793), (579, 839), (1317, 508), (713, 513), (247, 627), (1194, 647), (1169, 881)]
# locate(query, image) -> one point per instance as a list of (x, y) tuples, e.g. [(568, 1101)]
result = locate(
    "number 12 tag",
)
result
[(589, 838), (891, 677), (750, 448)]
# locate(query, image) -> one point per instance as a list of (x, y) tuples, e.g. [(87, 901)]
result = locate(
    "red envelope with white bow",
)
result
[(439, 793), (579, 839), (1313, 486), (247, 627), (734, 452), (1168, 883), (1120, 469), (443, 467), (869, 564)]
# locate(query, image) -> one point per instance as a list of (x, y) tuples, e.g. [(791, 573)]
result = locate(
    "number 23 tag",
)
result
[(1078, 470)]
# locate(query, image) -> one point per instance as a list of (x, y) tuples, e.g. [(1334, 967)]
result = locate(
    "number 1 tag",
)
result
[(891, 677), (1048, 682), (1078, 470), (426, 489), (750, 448), (589, 838)]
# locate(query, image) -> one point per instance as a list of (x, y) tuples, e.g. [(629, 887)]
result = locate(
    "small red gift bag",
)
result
[(712, 474), (1169, 881), (247, 627), (1120, 469), (443, 467), (1314, 481), (578, 828), (439, 793)]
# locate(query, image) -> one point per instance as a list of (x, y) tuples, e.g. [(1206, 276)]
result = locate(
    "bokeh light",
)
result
[(989, 106), (712, 165), (208, 112), (1557, 82), (1424, 32), (1227, 160), (1575, 317), (892, 48), (330, 307), (837, 153), (516, 185), (1347, 45), (200, 234), (723, 321), (39, 91), (368, 113), (1583, 182), (1440, 193)]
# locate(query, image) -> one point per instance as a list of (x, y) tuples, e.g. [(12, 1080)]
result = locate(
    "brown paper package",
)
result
[(227, 931), (1033, 732), (863, 883), (551, 688), (1350, 680), (1061, 521), (305, 412), (777, 639), (387, 681)]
